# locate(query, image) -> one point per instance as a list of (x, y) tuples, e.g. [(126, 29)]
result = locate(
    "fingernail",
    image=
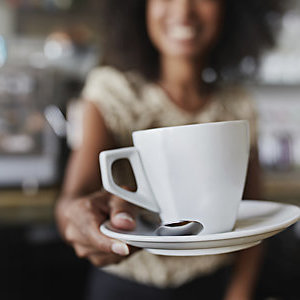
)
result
[(124, 216), (120, 248)]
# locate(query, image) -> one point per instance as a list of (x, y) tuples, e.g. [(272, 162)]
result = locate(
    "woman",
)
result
[(169, 62)]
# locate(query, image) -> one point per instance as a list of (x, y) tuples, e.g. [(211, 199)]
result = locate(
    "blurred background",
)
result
[(46, 49)]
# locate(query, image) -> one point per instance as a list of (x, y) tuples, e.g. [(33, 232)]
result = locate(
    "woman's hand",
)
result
[(79, 221)]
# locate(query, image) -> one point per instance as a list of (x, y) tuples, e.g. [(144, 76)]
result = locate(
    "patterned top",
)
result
[(127, 103)]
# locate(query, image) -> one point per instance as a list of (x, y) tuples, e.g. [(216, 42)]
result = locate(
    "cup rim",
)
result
[(169, 128)]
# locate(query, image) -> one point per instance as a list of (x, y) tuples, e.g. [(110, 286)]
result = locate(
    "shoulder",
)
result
[(239, 101), (105, 74), (118, 97), (111, 81), (235, 93)]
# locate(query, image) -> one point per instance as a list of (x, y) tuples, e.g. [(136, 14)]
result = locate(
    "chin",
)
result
[(184, 49), (184, 53)]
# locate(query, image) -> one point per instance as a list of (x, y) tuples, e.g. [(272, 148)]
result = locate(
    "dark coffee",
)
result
[(178, 224)]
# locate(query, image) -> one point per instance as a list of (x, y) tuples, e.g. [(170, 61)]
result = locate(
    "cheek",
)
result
[(155, 9), (155, 16), (212, 18)]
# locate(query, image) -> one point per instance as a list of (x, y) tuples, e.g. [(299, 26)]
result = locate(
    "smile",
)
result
[(182, 32)]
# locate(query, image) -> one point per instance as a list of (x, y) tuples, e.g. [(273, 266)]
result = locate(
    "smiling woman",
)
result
[(244, 28), (166, 61), (187, 29)]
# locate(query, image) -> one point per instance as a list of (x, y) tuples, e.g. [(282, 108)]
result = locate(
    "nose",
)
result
[(183, 9)]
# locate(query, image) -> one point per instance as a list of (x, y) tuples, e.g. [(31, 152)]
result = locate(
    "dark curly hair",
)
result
[(248, 28)]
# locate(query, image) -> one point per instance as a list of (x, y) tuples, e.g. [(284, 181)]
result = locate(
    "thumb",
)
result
[(122, 213)]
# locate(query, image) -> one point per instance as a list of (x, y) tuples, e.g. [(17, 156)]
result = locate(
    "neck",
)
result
[(181, 78), (180, 72)]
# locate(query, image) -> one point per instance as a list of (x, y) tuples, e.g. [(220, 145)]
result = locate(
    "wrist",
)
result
[(235, 292)]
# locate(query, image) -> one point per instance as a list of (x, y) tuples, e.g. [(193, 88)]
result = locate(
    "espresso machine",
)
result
[(29, 148)]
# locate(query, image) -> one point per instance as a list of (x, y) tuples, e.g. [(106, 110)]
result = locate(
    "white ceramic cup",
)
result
[(186, 173)]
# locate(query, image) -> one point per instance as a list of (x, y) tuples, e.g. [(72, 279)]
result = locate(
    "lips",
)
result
[(182, 32)]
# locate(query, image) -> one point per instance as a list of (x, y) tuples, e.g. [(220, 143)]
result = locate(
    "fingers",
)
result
[(99, 201), (104, 244), (96, 258), (83, 217), (103, 260), (122, 213), (101, 252), (84, 251), (90, 237)]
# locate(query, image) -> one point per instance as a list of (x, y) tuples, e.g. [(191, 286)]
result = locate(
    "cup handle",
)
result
[(143, 196)]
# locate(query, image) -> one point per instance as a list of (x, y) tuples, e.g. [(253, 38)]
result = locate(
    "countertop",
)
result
[(17, 207)]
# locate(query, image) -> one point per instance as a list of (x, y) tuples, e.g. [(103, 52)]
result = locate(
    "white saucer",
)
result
[(198, 252), (257, 220)]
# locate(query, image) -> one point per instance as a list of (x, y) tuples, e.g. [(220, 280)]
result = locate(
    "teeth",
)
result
[(182, 32)]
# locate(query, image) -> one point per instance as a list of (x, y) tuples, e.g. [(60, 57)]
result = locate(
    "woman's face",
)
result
[(183, 28)]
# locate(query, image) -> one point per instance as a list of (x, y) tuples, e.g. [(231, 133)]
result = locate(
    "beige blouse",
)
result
[(128, 102)]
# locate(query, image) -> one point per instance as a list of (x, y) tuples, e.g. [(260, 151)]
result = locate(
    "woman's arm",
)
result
[(82, 207), (247, 262)]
